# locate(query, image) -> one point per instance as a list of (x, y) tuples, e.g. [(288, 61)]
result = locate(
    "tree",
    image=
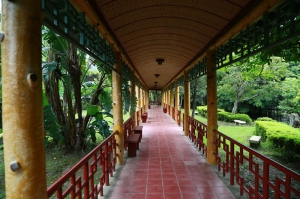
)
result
[(289, 90), (198, 92), (249, 79), (64, 87)]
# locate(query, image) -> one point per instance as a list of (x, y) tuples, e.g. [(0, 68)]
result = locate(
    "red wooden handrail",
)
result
[(258, 166), (173, 113), (178, 117), (71, 185), (127, 128)]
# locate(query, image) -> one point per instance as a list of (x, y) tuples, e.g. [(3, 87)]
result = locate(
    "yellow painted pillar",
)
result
[(176, 100), (23, 128), (156, 97), (186, 102), (133, 96), (172, 96), (117, 108), (212, 106), (169, 99), (139, 100)]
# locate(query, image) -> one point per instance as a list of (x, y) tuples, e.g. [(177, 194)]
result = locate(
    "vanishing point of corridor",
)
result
[(167, 166)]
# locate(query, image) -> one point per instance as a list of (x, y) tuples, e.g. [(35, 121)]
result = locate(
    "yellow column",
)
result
[(23, 128), (212, 106), (169, 99), (139, 100), (176, 100), (186, 102), (172, 96), (133, 96), (117, 108), (156, 98)]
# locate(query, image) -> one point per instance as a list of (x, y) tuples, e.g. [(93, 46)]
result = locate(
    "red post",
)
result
[(106, 163), (86, 179)]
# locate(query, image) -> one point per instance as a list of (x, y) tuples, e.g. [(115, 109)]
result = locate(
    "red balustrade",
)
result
[(242, 162), (127, 128), (260, 168), (85, 179), (178, 117), (173, 113)]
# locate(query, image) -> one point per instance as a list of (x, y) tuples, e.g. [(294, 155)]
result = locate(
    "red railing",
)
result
[(260, 169), (197, 139), (173, 113), (169, 110), (127, 128), (265, 177), (178, 117), (84, 180)]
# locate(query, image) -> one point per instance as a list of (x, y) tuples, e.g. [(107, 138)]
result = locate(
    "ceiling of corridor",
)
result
[(177, 31)]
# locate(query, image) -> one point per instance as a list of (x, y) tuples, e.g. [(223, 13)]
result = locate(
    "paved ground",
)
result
[(167, 166)]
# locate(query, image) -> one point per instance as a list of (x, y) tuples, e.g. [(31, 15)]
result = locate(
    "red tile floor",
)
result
[(167, 166)]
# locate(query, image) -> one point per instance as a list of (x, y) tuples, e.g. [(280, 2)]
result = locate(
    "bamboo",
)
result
[(186, 103)]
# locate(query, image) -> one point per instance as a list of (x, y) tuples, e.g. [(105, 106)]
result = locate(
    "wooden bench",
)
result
[(133, 144), (239, 122), (138, 130), (254, 141)]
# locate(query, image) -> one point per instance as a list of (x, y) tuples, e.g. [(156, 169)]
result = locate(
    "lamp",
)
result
[(156, 75), (160, 61)]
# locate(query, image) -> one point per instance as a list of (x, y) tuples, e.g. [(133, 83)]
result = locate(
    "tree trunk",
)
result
[(94, 100), (235, 107), (194, 98)]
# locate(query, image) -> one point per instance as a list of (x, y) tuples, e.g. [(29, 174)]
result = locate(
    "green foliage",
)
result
[(98, 124), (280, 134), (202, 110), (225, 116), (289, 90), (253, 82), (93, 110), (265, 119), (51, 126)]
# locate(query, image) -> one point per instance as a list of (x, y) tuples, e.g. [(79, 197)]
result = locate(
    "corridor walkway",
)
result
[(167, 166)]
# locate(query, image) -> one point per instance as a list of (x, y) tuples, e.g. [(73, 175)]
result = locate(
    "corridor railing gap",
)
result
[(83, 180), (239, 157)]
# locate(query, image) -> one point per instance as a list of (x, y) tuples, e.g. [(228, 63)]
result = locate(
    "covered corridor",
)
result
[(167, 166), (152, 45)]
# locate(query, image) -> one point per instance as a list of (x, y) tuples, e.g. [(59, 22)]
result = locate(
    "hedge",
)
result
[(265, 119), (280, 134), (225, 116)]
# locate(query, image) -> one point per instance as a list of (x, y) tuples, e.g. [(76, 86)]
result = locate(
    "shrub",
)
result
[(265, 119), (280, 134), (202, 110), (243, 117), (224, 116)]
